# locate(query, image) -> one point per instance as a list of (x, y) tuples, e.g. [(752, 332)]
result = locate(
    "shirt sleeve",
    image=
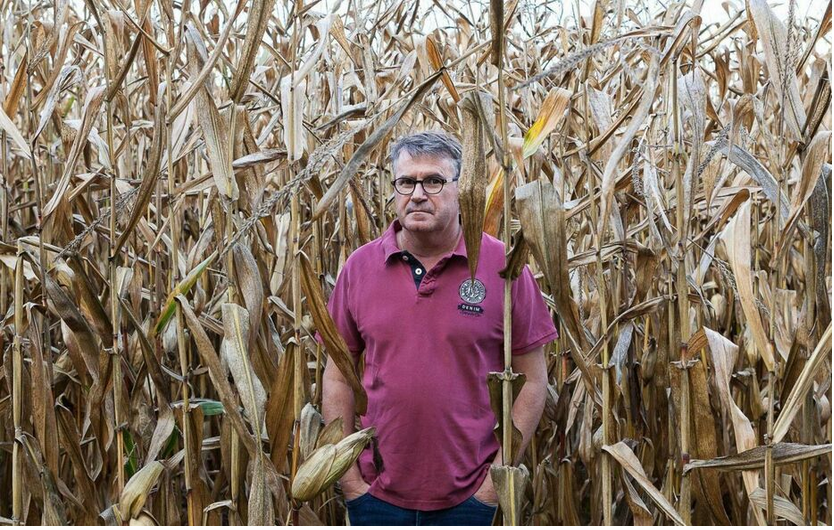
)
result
[(339, 308), (532, 323)]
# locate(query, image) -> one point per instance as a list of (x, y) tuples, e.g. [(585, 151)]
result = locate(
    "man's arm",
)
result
[(527, 410), (337, 401)]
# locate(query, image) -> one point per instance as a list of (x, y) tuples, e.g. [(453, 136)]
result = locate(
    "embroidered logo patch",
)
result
[(472, 292)]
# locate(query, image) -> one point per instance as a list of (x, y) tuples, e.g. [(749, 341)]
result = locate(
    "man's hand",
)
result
[(354, 489), (486, 493)]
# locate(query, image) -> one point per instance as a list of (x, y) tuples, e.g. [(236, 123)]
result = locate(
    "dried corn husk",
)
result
[(309, 428), (132, 499), (510, 483), (328, 463), (473, 181)]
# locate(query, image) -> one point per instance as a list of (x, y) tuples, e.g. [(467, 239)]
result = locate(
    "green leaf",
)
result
[(212, 408), (131, 463)]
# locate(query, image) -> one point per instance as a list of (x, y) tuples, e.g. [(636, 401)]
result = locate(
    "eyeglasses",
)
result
[(431, 185)]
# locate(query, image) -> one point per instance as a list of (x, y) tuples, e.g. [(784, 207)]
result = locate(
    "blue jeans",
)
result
[(368, 510)]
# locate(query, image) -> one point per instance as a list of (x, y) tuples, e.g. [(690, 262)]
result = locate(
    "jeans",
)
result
[(368, 510)]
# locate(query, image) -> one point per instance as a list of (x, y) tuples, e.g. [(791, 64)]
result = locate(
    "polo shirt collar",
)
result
[(390, 248)]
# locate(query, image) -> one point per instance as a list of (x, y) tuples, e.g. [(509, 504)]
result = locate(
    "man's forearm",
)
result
[(337, 402), (529, 405), (527, 410)]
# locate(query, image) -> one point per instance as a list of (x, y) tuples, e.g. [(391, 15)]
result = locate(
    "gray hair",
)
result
[(435, 143)]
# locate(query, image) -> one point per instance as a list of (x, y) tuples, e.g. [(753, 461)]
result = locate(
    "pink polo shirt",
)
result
[(428, 352)]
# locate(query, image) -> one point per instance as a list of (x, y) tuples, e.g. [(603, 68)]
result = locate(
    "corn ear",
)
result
[(328, 463), (510, 484), (473, 181), (132, 499), (143, 519)]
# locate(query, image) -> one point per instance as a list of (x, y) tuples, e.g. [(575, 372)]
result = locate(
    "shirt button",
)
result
[(405, 258), (418, 271)]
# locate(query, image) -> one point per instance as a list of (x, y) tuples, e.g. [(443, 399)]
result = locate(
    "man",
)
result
[(431, 336)]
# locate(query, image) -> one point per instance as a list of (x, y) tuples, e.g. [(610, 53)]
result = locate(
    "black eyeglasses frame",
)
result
[(420, 182)]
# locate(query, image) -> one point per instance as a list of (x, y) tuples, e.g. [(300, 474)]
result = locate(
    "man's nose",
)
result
[(419, 194)]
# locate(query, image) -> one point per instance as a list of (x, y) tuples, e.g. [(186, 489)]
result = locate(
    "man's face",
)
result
[(420, 212)]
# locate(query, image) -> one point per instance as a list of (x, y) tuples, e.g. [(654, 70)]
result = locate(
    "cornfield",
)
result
[(182, 182)]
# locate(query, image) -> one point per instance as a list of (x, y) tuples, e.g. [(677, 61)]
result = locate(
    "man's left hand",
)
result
[(486, 493)]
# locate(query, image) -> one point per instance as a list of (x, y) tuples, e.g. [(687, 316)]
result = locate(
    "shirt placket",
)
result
[(429, 283), (418, 271)]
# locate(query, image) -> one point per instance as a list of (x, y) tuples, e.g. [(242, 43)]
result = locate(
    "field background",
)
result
[(182, 181)]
